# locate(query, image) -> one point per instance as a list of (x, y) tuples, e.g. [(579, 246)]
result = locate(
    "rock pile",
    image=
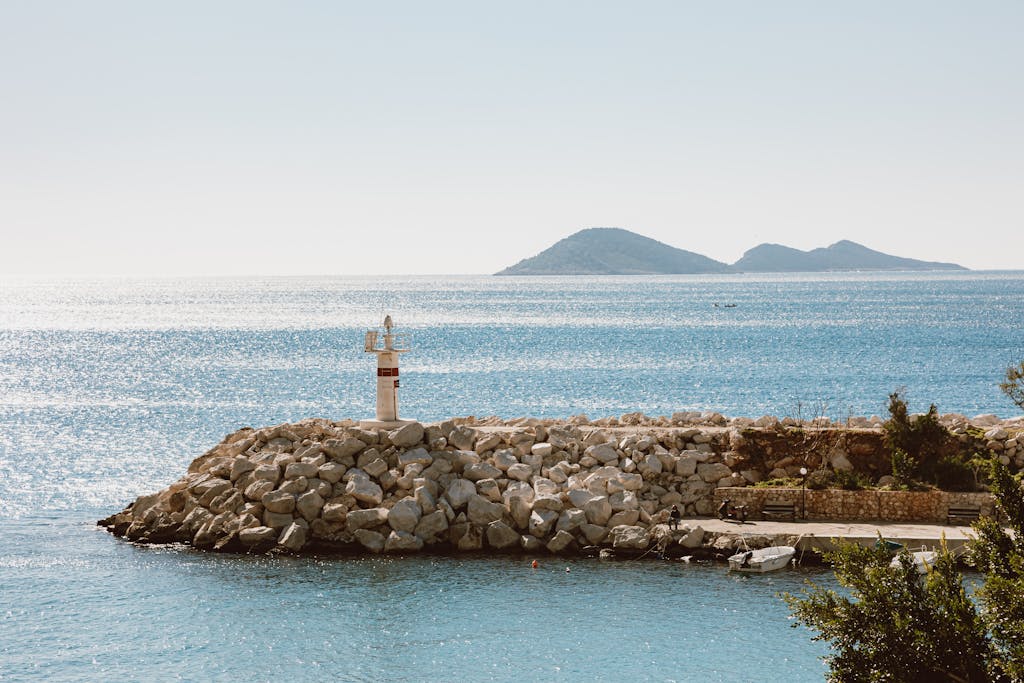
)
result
[(322, 486)]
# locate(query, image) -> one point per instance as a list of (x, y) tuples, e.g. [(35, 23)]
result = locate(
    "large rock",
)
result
[(482, 512), (431, 525), (473, 539), (520, 508), (520, 471), (624, 500), (560, 542), (631, 482), (541, 522), (580, 497), (402, 542), (331, 472), (501, 535), (686, 465), (277, 520), (504, 459), (598, 510), (278, 501), (593, 533), (462, 438), (694, 538), (417, 456), (257, 536), (342, 450), (309, 505), (711, 472), (407, 436), (487, 442), (548, 502), (364, 519), (334, 513), (268, 471), (481, 470), (405, 515), (258, 489), (365, 491), (624, 518), (603, 452), (293, 537), (370, 540), (571, 519), (240, 466), (300, 469), (630, 538), (459, 493)]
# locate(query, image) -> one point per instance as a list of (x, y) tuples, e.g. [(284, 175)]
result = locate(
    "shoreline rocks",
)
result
[(524, 485)]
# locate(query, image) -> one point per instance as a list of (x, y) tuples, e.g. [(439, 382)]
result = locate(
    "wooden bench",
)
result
[(963, 513), (777, 509)]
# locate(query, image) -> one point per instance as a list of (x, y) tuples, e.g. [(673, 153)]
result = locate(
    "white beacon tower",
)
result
[(387, 376)]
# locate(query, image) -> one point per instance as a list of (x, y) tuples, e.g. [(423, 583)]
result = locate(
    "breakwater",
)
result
[(523, 485)]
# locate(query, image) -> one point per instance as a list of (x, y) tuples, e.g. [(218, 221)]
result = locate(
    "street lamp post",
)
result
[(803, 493)]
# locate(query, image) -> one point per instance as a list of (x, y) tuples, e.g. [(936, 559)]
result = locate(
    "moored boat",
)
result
[(922, 559), (763, 559)]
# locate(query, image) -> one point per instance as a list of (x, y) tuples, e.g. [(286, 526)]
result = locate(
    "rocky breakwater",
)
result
[(322, 486)]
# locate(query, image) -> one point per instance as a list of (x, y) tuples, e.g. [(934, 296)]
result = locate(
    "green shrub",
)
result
[(952, 473), (851, 480), (779, 483), (916, 444), (820, 479), (903, 468)]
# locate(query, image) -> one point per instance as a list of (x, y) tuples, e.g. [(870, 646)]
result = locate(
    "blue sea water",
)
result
[(108, 389)]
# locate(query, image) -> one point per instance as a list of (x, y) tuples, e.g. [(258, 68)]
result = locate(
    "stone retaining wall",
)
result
[(833, 504)]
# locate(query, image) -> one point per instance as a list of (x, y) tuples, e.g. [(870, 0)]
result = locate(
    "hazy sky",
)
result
[(434, 137)]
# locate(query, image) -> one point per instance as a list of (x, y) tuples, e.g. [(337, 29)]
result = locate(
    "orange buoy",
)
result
[(535, 564)]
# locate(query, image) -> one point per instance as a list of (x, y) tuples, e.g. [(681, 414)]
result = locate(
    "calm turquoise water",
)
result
[(109, 388)]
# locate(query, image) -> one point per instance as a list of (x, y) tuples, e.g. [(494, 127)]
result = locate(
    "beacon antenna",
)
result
[(387, 351)]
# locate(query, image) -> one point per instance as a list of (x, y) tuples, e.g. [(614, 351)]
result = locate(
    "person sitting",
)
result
[(673, 517)]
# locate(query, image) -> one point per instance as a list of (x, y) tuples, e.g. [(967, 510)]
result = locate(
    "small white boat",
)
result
[(762, 560), (923, 559)]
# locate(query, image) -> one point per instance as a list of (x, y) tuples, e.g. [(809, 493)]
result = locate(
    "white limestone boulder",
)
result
[(365, 519), (293, 537), (501, 536), (406, 436), (482, 512), (370, 540), (278, 501), (309, 505), (365, 491), (402, 542), (630, 537), (459, 492), (404, 515)]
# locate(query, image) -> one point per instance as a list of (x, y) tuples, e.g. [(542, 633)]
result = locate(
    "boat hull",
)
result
[(762, 560)]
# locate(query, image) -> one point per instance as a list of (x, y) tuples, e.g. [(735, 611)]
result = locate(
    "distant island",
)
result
[(614, 251)]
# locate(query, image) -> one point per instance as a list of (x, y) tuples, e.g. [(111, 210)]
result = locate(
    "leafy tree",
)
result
[(916, 444), (1001, 556), (896, 626), (1013, 387)]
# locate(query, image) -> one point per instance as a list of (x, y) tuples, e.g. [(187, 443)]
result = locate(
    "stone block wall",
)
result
[(834, 504)]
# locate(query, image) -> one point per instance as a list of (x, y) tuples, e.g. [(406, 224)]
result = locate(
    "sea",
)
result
[(110, 387)]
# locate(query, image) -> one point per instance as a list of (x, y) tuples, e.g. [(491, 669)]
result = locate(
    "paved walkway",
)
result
[(818, 534)]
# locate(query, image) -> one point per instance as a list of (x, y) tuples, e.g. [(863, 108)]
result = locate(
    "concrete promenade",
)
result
[(818, 535)]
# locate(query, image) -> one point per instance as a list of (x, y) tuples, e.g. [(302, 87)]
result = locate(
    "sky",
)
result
[(343, 138)]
